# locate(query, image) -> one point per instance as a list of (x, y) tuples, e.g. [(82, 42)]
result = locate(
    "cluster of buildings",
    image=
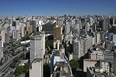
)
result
[(73, 37), (91, 38)]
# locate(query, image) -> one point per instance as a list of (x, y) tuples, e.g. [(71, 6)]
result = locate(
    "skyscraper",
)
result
[(33, 23), (37, 46), (37, 51), (57, 33)]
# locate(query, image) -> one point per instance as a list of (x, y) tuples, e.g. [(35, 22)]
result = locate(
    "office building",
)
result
[(1, 50), (6, 37), (3, 35), (96, 55), (22, 31), (57, 31), (89, 63), (114, 62), (27, 25), (29, 29), (59, 22), (114, 39), (67, 28), (112, 21), (37, 46), (59, 65), (76, 31), (33, 23), (37, 51), (36, 69), (15, 34)]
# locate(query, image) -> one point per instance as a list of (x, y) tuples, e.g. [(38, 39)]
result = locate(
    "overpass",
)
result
[(7, 64)]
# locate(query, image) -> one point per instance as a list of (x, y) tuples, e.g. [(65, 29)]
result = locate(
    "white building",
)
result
[(1, 50), (114, 38), (3, 35), (114, 63), (15, 34), (37, 51), (98, 38), (37, 46), (89, 63), (36, 69), (22, 30), (96, 55), (59, 60)]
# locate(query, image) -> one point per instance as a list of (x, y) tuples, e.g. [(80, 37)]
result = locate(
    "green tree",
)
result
[(19, 70), (12, 49), (13, 65), (26, 67), (1, 63), (17, 52), (74, 64), (15, 59), (22, 69), (13, 45)]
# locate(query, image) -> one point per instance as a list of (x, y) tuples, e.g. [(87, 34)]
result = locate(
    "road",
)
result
[(7, 64)]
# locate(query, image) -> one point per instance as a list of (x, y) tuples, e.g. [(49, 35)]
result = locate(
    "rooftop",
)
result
[(91, 60)]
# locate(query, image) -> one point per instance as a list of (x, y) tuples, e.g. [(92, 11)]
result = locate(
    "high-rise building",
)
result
[(112, 21), (76, 31), (114, 62), (96, 55), (1, 50), (57, 33), (36, 69), (16, 34), (3, 35), (22, 30), (59, 22), (6, 37), (37, 51), (37, 46), (67, 28), (27, 25), (29, 29), (33, 23)]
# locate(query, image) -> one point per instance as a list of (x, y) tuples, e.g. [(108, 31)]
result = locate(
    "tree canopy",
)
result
[(22, 69), (74, 64)]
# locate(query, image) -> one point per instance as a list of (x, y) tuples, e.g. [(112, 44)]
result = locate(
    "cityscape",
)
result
[(57, 41)]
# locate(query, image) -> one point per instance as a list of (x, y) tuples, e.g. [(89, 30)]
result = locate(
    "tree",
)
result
[(13, 45), (19, 70), (13, 65), (74, 64), (1, 63), (17, 52), (15, 59), (22, 69), (12, 49)]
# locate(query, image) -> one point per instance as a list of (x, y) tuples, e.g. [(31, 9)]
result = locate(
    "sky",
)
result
[(57, 7)]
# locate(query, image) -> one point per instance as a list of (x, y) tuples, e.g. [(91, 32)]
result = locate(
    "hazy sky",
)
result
[(57, 7)]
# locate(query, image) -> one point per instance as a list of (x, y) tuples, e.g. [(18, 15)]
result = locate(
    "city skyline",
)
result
[(59, 7)]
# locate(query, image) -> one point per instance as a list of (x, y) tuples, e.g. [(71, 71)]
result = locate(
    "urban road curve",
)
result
[(7, 64)]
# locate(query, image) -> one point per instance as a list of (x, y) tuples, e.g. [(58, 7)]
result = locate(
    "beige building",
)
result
[(22, 30), (3, 35), (29, 29), (57, 33)]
